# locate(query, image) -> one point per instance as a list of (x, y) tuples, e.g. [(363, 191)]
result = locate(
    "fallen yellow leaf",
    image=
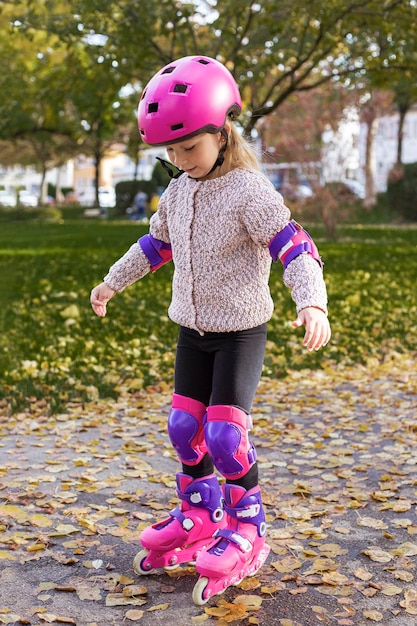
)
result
[(159, 607), (250, 602), (134, 615), (375, 616)]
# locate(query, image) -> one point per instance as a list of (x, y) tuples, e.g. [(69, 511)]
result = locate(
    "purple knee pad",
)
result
[(186, 429), (226, 434)]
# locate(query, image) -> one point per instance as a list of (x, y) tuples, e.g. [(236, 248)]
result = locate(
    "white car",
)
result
[(7, 199), (106, 196), (355, 187), (28, 199)]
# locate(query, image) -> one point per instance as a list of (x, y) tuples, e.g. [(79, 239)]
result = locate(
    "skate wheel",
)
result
[(138, 563), (170, 568), (198, 591)]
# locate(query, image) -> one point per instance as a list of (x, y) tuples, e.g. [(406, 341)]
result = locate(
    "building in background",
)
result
[(342, 159), (344, 151), (384, 149), (79, 174), (340, 152)]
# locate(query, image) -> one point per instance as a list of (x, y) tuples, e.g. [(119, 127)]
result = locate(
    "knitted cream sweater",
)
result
[(219, 231)]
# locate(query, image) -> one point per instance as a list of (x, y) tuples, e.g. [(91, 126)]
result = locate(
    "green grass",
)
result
[(53, 347)]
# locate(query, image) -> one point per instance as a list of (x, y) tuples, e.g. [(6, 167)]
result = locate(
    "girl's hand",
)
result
[(317, 326), (99, 298)]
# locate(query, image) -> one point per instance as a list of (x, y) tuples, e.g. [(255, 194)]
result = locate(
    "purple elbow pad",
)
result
[(156, 251), (290, 242), (226, 434)]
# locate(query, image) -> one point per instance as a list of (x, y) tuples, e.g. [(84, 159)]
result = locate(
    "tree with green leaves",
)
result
[(101, 53), (32, 112), (66, 96), (396, 72)]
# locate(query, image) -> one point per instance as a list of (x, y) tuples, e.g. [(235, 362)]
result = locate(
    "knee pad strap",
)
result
[(227, 437), (186, 429)]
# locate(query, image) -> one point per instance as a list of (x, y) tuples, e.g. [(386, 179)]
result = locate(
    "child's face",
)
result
[(196, 156)]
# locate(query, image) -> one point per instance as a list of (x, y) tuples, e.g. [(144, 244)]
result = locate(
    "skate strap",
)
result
[(234, 537), (197, 495), (248, 512), (185, 522)]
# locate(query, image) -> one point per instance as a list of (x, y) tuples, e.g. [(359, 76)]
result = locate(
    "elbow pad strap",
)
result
[(156, 251), (290, 242)]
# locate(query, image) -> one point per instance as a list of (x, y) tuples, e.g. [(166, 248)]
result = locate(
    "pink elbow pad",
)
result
[(290, 242), (156, 251)]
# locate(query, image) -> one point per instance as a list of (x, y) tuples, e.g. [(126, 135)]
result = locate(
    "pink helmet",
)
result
[(192, 95)]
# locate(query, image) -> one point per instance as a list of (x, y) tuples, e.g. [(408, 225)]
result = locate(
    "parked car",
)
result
[(106, 196), (7, 199), (296, 191), (28, 199), (355, 187)]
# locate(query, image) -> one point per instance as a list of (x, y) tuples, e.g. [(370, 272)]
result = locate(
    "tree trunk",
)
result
[(60, 198), (97, 176), (370, 200), (43, 186), (135, 173), (402, 113)]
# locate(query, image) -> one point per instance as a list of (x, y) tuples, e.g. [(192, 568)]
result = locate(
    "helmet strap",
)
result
[(168, 167), (220, 158)]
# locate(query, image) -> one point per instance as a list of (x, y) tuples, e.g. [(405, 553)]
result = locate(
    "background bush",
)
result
[(127, 189), (402, 191)]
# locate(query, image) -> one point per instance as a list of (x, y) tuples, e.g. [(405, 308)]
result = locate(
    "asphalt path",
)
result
[(338, 459)]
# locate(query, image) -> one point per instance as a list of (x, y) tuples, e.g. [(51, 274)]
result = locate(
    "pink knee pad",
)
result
[(227, 436), (186, 429)]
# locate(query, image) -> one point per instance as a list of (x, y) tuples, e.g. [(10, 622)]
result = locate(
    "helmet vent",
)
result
[(203, 61), (177, 126), (168, 70), (152, 107), (180, 88)]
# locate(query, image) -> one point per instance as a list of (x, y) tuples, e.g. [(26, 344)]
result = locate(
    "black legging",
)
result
[(220, 368)]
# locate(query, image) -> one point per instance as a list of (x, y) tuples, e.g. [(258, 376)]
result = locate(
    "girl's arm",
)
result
[(144, 256)]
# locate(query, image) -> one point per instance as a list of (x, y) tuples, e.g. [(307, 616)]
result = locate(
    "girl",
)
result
[(222, 223)]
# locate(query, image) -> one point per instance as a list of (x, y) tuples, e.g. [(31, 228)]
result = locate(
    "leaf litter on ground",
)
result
[(338, 463)]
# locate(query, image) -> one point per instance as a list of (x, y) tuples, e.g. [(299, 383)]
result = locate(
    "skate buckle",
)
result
[(187, 524), (195, 497)]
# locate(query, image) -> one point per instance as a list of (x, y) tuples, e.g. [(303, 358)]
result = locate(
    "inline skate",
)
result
[(188, 529), (238, 550)]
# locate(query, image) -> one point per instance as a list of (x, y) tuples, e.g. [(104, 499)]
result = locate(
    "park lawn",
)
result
[(53, 348)]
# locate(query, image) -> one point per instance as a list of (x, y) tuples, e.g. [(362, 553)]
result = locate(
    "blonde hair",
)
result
[(239, 153)]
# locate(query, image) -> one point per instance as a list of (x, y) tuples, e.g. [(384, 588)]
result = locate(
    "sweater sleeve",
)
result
[(132, 266), (264, 211), (265, 214), (304, 277)]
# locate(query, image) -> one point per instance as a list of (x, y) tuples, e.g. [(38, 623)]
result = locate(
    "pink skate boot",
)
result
[(237, 551), (188, 529)]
